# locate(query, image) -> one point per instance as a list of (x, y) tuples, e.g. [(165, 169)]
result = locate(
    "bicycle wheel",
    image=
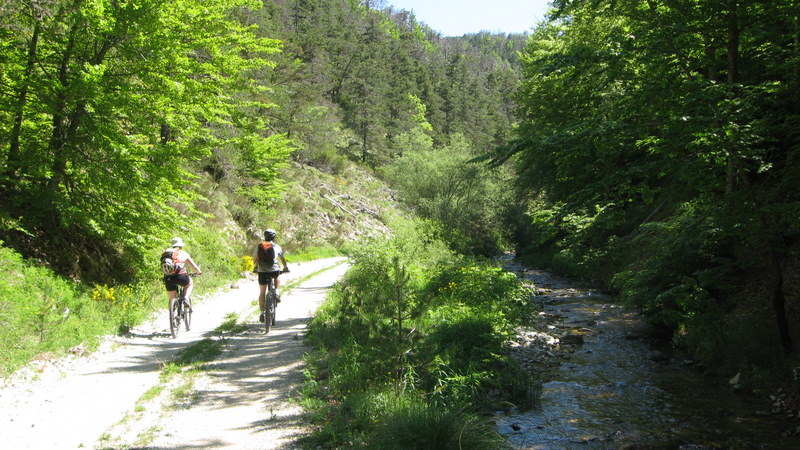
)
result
[(174, 317), (274, 306), (187, 313), (269, 310)]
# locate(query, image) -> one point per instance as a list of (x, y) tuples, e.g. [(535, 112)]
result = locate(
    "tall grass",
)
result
[(409, 347), (42, 313), (417, 424)]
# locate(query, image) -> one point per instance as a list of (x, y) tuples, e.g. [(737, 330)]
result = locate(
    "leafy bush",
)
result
[(680, 270), (463, 360), (415, 336), (441, 184), (574, 241), (465, 339), (490, 289)]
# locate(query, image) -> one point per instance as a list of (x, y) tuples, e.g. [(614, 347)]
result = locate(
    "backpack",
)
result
[(169, 263), (266, 254)]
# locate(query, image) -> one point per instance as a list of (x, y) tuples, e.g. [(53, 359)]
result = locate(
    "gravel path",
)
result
[(243, 400)]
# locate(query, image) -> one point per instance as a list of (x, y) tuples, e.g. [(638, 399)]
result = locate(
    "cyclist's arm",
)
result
[(283, 260), (194, 266)]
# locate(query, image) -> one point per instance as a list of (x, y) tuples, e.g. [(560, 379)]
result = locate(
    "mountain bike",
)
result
[(270, 303), (180, 310)]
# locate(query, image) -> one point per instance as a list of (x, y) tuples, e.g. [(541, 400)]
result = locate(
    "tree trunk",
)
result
[(13, 161), (66, 123), (772, 239), (733, 78), (710, 51), (733, 41), (364, 136), (779, 306), (58, 134), (796, 42)]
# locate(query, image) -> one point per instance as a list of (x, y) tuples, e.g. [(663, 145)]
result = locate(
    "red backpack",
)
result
[(266, 254)]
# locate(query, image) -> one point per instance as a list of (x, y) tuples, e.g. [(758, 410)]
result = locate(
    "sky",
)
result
[(459, 17)]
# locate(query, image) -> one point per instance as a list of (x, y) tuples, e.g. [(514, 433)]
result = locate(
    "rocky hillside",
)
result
[(320, 209)]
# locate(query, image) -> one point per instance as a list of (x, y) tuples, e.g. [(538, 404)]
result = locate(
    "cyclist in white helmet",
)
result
[(180, 276)]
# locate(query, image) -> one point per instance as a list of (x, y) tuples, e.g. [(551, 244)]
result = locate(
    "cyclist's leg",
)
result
[(172, 289), (172, 298), (188, 287), (262, 295), (277, 278), (263, 280)]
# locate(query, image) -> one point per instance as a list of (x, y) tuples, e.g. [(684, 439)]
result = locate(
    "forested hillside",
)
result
[(127, 123), (658, 155), (116, 114)]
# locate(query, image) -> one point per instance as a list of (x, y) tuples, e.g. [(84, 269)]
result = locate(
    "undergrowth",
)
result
[(408, 349)]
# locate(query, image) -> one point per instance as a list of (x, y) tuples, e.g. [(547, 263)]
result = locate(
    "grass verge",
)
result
[(409, 349)]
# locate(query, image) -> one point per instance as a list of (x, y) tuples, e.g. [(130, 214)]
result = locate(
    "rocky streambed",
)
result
[(606, 385)]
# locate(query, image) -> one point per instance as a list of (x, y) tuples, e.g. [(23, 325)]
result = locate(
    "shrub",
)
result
[(245, 263), (679, 271), (575, 241), (487, 288), (410, 321), (443, 185), (420, 425), (465, 361)]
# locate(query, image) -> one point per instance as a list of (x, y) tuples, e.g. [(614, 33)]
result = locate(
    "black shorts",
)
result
[(171, 282), (263, 277)]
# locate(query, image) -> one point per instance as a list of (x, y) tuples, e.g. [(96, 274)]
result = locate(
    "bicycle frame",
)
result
[(270, 305), (180, 310)]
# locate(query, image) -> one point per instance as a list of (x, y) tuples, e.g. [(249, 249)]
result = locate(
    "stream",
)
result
[(606, 386)]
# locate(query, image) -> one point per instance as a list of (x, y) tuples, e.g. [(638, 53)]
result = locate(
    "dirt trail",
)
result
[(243, 401)]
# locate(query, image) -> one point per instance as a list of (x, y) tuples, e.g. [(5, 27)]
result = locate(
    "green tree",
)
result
[(111, 102), (466, 198), (646, 110)]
